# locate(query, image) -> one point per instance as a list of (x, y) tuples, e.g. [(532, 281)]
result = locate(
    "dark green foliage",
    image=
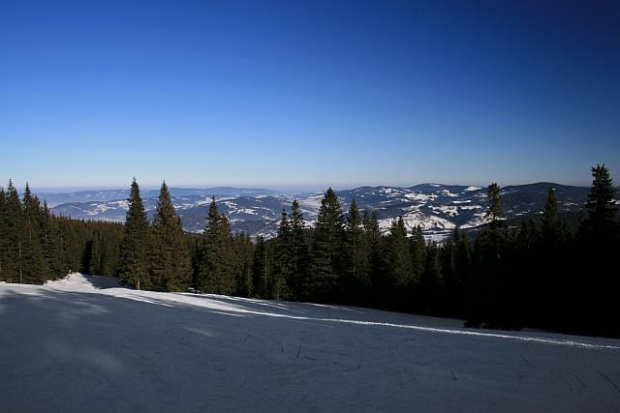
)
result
[(550, 222), (170, 266), (36, 246), (430, 284), (418, 252), (372, 240), (325, 260), (553, 229), (12, 237), (495, 211), (356, 261), (600, 208), (216, 270), (134, 268), (263, 268), (599, 241), (3, 235), (300, 257), (35, 268), (457, 271), (244, 253), (283, 258), (50, 240), (397, 255)]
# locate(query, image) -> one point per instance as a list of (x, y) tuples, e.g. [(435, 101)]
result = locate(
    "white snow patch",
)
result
[(449, 194), (449, 210), (415, 219), (418, 196), (247, 211)]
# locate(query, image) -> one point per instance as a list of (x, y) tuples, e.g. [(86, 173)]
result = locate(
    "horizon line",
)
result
[(300, 187)]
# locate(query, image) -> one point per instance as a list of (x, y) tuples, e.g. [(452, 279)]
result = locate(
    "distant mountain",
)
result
[(437, 208), (54, 200)]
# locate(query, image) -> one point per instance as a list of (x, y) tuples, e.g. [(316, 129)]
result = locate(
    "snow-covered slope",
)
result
[(70, 346)]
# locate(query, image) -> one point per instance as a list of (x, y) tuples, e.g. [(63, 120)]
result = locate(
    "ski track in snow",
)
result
[(85, 344)]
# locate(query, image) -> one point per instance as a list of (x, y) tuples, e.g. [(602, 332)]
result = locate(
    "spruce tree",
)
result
[(372, 240), (599, 241), (216, 272), (398, 258), (3, 235), (170, 261), (34, 266), (600, 207), (324, 277), (430, 283), (283, 257), (418, 251), (495, 212), (13, 235), (488, 281), (550, 222), (244, 248), (300, 252), (261, 270), (356, 282), (51, 242), (134, 266)]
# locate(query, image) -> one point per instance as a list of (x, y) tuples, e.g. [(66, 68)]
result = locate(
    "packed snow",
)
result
[(85, 344)]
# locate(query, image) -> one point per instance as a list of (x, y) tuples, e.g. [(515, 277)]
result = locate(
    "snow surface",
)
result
[(76, 345)]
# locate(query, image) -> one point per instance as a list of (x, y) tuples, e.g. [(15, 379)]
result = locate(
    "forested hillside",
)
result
[(544, 272)]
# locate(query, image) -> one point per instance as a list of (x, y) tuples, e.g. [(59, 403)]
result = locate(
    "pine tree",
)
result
[(3, 235), (356, 280), (430, 283), (300, 252), (550, 222), (70, 245), (261, 270), (418, 252), (134, 267), (487, 287), (216, 273), (457, 268), (283, 258), (599, 241), (170, 261), (372, 240), (398, 261), (34, 266), (325, 263), (244, 248), (51, 241), (12, 235), (495, 212), (600, 207)]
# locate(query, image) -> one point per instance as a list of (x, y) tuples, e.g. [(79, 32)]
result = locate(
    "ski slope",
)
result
[(84, 344)]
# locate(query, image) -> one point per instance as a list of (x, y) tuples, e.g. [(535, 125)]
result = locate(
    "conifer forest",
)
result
[(540, 272)]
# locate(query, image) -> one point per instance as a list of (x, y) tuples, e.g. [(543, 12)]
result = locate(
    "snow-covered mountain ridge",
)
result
[(437, 208)]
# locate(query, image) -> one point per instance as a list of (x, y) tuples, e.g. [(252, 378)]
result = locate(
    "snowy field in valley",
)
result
[(84, 345)]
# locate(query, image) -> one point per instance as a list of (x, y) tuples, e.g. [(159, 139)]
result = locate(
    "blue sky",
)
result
[(308, 93)]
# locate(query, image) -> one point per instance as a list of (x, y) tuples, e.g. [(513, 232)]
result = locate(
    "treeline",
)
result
[(36, 246), (542, 272)]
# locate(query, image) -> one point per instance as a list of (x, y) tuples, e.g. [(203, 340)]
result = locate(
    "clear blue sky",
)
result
[(292, 93)]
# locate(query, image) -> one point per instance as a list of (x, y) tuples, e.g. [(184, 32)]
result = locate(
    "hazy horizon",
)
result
[(284, 189)]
